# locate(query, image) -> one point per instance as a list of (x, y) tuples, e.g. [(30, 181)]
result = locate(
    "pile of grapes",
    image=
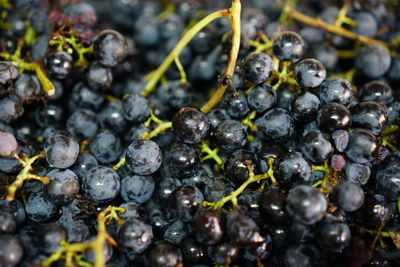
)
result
[(199, 133)]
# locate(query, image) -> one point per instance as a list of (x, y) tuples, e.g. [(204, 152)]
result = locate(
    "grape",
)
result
[(362, 147), (134, 236), (289, 46), (277, 124), (27, 87), (387, 179), (143, 157), (349, 196), (236, 104), (377, 91), (8, 144), (136, 108), (82, 124), (262, 97), (61, 150), (101, 184), (335, 90), (11, 251), (294, 169), (372, 61), (105, 147), (229, 135), (310, 73), (333, 235), (190, 125), (369, 115), (306, 204), (305, 107), (208, 227), (257, 67), (137, 188), (10, 109), (193, 252), (7, 72), (333, 117), (272, 204), (99, 78), (182, 160), (185, 201), (110, 48), (39, 209), (49, 237), (317, 147), (59, 64), (164, 254), (63, 186)]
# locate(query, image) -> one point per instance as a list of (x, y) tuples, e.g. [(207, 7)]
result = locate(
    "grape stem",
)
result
[(333, 28), (70, 251), (187, 37), (25, 174), (211, 154), (161, 127), (233, 197), (16, 60), (234, 15)]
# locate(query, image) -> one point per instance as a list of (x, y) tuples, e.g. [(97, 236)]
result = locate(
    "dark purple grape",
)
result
[(48, 237), (110, 48), (387, 179), (39, 209), (297, 255), (306, 204), (229, 135), (309, 73), (378, 91), (326, 54), (358, 173), (208, 226), (132, 210), (190, 125), (235, 103), (335, 90), (59, 64), (348, 196), (362, 147), (373, 61), (316, 146), (185, 201), (262, 97), (236, 167), (137, 188), (305, 107), (293, 169), (216, 116), (143, 157), (112, 117), (374, 211), (61, 150), (193, 252), (243, 230), (11, 251), (99, 78), (333, 235), (272, 204), (8, 221), (106, 147), (289, 46), (135, 236), (83, 164), (257, 67), (176, 231), (10, 109), (334, 117), (369, 115), (367, 24), (164, 254), (7, 72), (101, 184), (27, 87), (82, 124), (182, 160), (63, 186), (136, 108), (277, 124)]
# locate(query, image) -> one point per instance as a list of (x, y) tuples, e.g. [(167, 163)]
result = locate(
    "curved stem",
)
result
[(24, 175), (318, 22), (159, 72), (234, 15)]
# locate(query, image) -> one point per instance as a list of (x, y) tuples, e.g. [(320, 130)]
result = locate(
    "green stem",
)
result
[(234, 14), (159, 72)]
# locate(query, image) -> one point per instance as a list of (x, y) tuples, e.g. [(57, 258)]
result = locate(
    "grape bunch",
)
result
[(199, 133)]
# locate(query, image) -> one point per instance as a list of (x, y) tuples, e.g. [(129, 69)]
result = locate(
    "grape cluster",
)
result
[(190, 133)]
